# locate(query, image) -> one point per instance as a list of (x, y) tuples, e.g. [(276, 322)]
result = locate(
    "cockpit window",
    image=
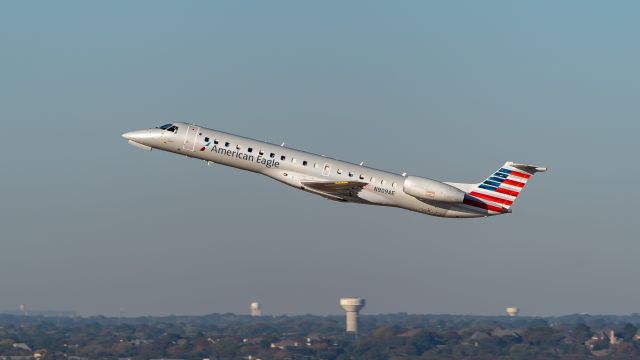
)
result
[(169, 127)]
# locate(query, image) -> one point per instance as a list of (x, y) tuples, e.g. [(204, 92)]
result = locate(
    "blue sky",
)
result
[(447, 90)]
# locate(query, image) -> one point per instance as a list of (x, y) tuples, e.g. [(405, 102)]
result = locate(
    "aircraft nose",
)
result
[(138, 135)]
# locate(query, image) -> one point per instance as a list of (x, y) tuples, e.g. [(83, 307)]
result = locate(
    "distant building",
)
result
[(21, 346), (255, 309), (499, 332), (352, 307), (287, 343), (613, 339), (512, 311), (479, 335), (599, 338)]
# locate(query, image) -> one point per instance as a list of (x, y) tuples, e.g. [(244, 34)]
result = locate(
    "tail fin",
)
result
[(501, 189)]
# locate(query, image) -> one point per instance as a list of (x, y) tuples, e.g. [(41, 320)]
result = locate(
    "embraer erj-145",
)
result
[(341, 180)]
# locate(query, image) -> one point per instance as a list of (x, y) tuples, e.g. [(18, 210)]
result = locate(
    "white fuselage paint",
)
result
[(293, 167)]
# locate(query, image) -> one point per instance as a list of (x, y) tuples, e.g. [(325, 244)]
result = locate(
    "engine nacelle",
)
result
[(427, 189)]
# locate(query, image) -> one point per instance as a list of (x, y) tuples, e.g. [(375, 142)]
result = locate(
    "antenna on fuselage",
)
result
[(282, 145), (361, 163), (404, 174)]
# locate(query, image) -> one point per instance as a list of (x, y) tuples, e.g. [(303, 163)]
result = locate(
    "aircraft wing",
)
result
[(336, 190)]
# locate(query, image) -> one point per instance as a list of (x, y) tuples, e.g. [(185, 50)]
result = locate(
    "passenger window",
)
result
[(238, 147), (226, 144), (282, 157), (393, 184), (206, 139), (361, 177), (272, 155), (350, 174), (372, 179), (249, 149), (293, 160), (215, 141), (339, 171), (382, 182), (261, 152), (304, 163)]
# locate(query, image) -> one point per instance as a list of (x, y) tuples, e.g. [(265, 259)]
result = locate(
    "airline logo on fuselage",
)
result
[(260, 159)]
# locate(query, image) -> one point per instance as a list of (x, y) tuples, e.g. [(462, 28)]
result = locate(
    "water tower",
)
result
[(512, 311), (352, 306), (255, 309)]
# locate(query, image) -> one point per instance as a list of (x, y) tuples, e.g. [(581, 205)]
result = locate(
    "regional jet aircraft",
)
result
[(341, 180)]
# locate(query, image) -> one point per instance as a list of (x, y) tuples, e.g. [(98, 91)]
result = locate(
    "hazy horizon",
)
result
[(70, 313), (446, 90)]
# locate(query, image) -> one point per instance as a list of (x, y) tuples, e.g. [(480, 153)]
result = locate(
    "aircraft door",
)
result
[(190, 138), (326, 170)]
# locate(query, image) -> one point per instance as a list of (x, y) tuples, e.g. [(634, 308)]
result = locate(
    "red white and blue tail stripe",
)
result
[(498, 192)]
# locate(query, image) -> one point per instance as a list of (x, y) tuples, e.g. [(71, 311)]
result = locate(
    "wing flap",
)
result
[(345, 190)]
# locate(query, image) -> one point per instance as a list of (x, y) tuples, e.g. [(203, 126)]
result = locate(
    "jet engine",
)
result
[(427, 189)]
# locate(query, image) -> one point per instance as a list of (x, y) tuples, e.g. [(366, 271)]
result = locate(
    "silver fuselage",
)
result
[(293, 167)]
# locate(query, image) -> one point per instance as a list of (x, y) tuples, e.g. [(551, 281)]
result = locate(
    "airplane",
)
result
[(340, 180)]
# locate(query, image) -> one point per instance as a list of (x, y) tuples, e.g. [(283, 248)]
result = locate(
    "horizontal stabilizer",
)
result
[(531, 169)]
